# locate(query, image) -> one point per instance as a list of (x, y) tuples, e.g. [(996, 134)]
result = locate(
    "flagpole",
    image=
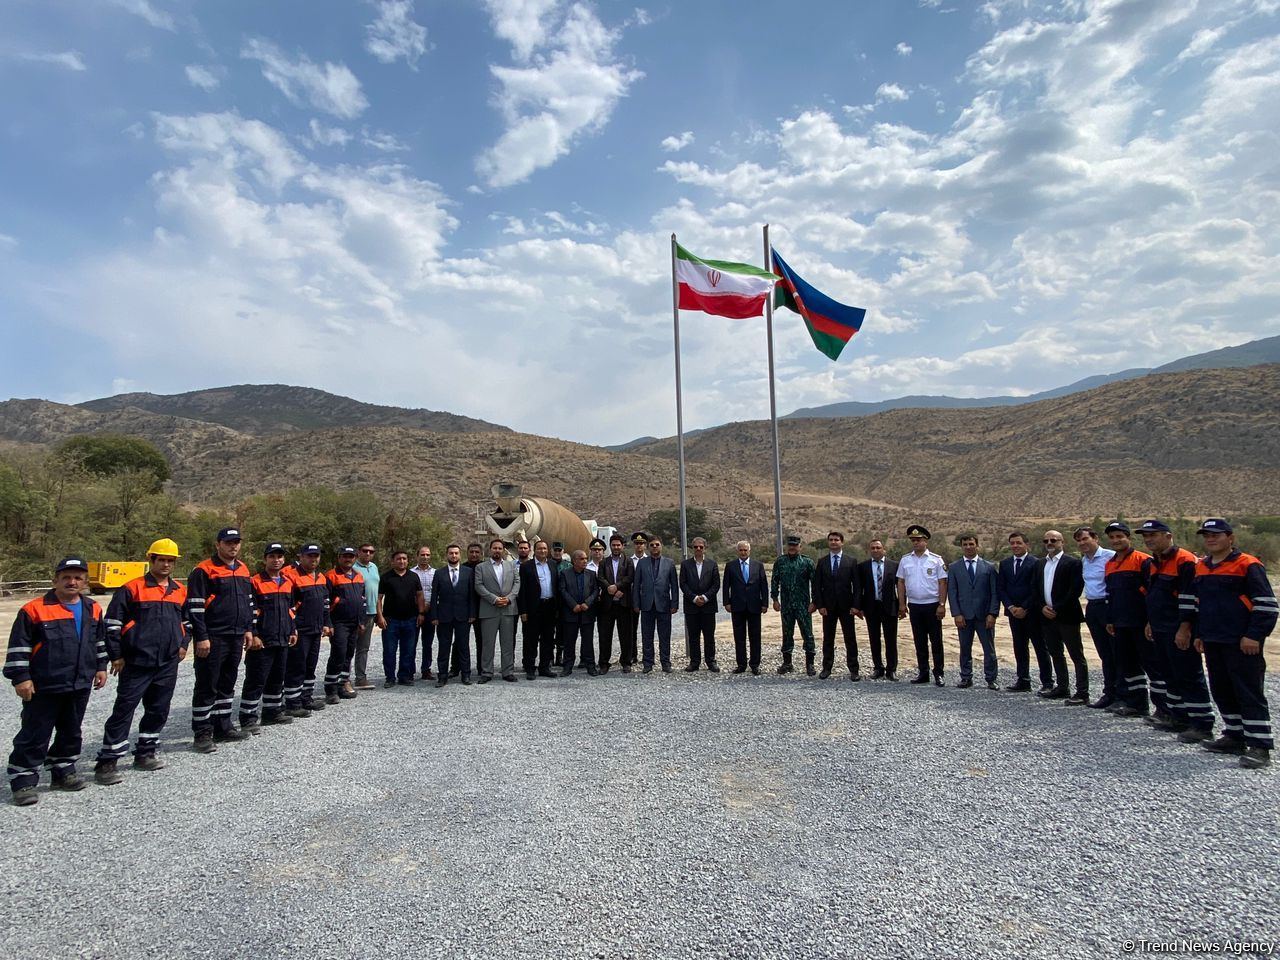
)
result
[(773, 398), (675, 319)]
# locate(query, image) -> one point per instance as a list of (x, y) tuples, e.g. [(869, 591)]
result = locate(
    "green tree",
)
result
[(666, 525), (111, 454)]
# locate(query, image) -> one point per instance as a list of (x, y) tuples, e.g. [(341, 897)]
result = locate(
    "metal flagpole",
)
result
[(773, 396), (675, 319)]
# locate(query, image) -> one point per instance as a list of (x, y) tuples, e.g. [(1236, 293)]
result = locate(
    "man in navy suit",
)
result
[(836, 595), (453, 610), (1017, 585), (974, 599), (655, 592), (878, 577), (746, 597), (700, 584), (579, 593), (539, 610)]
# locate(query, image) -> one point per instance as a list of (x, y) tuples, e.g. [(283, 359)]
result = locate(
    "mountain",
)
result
[(1245, 355), (263, 409)]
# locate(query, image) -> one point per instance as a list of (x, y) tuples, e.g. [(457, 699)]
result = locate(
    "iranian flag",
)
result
[(722, 288)]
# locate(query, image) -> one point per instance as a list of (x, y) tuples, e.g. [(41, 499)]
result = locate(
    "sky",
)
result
[(467, 205)]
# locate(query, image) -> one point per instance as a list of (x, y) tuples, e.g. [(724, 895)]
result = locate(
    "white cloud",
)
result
[(676, 143), (560, 92), (903, 49), (147, 10), (890, 92), (67, 59), (330, 87), (328, 136), (8, 242), (202, 77), (385, 142), (394, 33)]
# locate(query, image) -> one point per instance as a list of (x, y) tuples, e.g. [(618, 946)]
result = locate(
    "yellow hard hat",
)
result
[(163, 547)]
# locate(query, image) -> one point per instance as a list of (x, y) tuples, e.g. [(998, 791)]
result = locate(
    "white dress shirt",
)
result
[(1049, 567)]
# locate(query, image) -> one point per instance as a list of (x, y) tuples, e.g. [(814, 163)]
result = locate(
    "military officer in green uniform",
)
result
[(792, 586)]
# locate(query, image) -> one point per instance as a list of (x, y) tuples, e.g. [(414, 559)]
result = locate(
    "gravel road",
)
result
[(666, 816)]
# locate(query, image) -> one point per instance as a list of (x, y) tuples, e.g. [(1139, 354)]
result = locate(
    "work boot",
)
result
[(1255, 758), (106, 774), (230, 735), (148, 761), (313, 706), (362, 683), (71, 782), (249, 728), (1195, 735), (808, 666), (274, 719), (204, 742), (347, 691), (298, 713), (331, 698), (786, 666), (1225, 745), (25, 796)]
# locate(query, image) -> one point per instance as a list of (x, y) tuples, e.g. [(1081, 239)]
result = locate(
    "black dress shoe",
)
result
[(992, 685), (466, 681), (691, 668), (546, 672), (920, 679), (713, 667), (825, 674), (810, 670), (855, 677), (567, 671), (1054, 693), (786, 668), (666, 668), (939, 682), (1079, 700), (878, 674), (529, 674), (388, 683), (891, 676), (964, 684), (510, 678), (740, 668), (626, 668), (755, 671), (441, 682), (603, 668), (485, 678), (592, 671), (648, 668), (1102, 703), (1019, 686)]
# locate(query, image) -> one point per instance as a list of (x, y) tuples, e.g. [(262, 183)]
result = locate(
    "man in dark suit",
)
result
[(1016, 583), (746, 597), (453, 610), (975, 601), (655, 593), (836, 594), (1059, 583), (539, 611), (878, 606), (579, 593), (614, 576), (700, 584)]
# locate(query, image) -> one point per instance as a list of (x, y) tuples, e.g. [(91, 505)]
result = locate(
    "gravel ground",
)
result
[(660, 816)]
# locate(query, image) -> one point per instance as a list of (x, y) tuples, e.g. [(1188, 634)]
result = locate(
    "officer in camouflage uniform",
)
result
[(793, 580)]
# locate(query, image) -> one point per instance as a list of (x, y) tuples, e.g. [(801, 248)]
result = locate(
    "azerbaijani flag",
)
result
[(725, 289), (831, 324)]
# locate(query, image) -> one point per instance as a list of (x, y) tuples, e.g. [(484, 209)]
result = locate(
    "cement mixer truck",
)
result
[(517, 517)]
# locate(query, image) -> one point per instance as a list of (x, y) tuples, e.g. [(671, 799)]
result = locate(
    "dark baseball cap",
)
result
[(1154, 526), (229, 534), (344, 551), (273, 548), (1215, 525), (71, 563), (793, 541), (1118, 526), (309, 548)]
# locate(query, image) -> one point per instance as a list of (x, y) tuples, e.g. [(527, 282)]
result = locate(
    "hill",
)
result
[(263, 409)]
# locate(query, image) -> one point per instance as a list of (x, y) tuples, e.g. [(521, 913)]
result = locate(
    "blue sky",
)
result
[(466, 205)]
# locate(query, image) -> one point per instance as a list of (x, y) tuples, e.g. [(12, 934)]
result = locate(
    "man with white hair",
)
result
[(746, 597)]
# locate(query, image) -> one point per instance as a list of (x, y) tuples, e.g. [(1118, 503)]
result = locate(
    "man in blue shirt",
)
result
[(1094, 557)]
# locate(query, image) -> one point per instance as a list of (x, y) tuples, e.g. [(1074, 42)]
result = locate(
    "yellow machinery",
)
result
[(107, 575)]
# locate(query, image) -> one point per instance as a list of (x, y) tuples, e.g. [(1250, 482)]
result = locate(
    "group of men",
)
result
[(1152, 617)]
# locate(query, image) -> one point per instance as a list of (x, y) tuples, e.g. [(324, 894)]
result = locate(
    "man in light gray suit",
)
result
[(656, 594), (975, 602), (498, 585)]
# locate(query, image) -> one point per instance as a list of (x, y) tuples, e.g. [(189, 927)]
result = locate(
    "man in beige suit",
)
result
[(498, 585)]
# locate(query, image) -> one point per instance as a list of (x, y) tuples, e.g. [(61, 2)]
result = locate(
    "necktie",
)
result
[(453, 575), (879, 578), (835, 564), (746, 575), (971, 575), (1017, 565)]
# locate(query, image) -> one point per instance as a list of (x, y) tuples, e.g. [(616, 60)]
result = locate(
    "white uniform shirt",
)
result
[(921, 575)]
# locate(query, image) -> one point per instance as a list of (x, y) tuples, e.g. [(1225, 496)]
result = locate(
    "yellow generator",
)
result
[(107, 575)]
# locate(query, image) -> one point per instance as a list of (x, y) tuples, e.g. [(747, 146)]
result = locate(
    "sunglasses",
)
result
[(1052, 540)]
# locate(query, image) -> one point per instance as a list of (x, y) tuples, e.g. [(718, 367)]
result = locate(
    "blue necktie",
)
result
[(971, 573), (835, 564)]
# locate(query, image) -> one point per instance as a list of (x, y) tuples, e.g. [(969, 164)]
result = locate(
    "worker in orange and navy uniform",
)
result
[(1171, 609), (262, 695), (311, 619), (1127, 575), (147, 637), (220, 605), (346, 610), (57, 655), (1235, 611)]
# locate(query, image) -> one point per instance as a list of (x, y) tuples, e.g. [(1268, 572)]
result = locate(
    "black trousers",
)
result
[(1132, 681), (1062, 640), (926, 631), (1095, 618), (451, 645), (700, 633), (628, 626), (881, 623), (746, 626), (539, 636), (1186, 692), (216, 684), (1156, 667), (849, 628), (455, 661), (577, 642), (1027, 637), (300, 670), (336, 672), (152, 687), (45, 715), (262, 693), (611, 616), (1236, 680), (427, 637)]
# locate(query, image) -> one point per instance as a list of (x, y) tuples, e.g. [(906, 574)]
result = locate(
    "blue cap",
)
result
[(1154, 526), (347, 550), (273, 548), (309, 548), (229, 533), (1215, 525), (1118, 526), (71, 563)]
